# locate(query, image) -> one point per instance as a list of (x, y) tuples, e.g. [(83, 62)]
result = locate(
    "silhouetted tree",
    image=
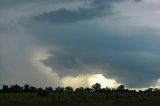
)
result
[(68, 89), (121, 88), (127, 90), (59, 90), (87, 90), (132, 91), (149, 90), (41, 92), (107, 89), (103, 90), (33, 89), (5, 88), (26, 88), (156, 90), (140, 91), (15, 88), (49, 89), (96, 87), (79, 90)]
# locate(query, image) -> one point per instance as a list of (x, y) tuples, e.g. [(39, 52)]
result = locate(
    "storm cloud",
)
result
[(116, 38)]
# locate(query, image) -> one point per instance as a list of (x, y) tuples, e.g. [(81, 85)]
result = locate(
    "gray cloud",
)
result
[(97, 8), (12, 3), (120, 61), (112, 45), (137, 0), (130, 57)]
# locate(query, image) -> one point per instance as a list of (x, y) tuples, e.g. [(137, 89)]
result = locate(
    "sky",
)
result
[(80, 43)]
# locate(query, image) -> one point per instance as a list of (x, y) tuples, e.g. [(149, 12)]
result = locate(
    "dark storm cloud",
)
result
[(117, 58), (98, 8), (132, 57)]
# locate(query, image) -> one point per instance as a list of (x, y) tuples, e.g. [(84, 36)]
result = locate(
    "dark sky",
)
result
[(49, 43)]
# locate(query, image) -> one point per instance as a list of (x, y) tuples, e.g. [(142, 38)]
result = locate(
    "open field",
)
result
[(80, 99)]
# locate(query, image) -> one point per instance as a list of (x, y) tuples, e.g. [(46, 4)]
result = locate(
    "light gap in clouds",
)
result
[(89, 80)]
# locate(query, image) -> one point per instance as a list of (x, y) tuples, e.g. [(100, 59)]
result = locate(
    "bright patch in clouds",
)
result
[(75, 82), (156, 84), (105, 82), (89, 80)]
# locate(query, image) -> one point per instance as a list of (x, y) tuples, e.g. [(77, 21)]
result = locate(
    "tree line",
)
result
[(96, 88)]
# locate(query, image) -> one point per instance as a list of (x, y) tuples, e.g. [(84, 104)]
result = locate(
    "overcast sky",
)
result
[(71, 42)]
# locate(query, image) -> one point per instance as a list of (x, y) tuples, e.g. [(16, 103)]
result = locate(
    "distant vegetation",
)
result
[(96, 88), (27, 95)]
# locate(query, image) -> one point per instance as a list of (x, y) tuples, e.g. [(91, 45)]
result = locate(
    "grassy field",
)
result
[(75, 99)]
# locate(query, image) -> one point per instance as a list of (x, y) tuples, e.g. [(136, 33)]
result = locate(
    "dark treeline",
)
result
[(96, 88)]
